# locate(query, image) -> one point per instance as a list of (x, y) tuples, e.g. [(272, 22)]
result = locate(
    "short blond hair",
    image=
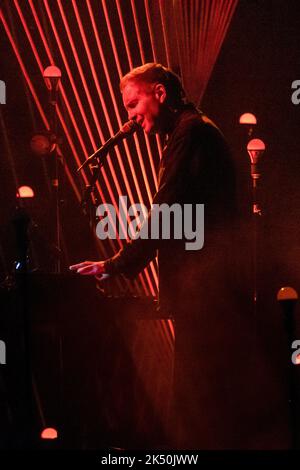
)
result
[(152, 73)]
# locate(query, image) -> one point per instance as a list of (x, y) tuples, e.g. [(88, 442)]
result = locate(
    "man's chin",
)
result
[(150, 130)]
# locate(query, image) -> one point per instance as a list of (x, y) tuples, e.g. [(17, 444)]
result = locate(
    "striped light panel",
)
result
[(94, 43)]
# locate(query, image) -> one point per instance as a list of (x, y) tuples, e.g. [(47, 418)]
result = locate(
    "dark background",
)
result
[(254, 72)]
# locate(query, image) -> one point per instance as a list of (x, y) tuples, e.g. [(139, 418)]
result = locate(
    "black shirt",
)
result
[(196, 168)]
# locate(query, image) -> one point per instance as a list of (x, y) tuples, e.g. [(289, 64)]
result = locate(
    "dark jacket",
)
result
[(196, 168)]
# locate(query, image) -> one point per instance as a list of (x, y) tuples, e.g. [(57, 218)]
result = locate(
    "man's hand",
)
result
[(90, 268)]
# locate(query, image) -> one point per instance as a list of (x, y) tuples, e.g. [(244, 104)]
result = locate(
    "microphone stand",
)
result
[(100, 156), (100, 152), (256, 212), (56, 188), (89, 191), (52, 76)]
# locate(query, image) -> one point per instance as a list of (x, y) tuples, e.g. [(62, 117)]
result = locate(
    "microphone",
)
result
[(127, 129), (255, 149)]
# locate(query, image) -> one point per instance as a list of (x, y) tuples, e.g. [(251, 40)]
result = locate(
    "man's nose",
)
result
[(132, 115)]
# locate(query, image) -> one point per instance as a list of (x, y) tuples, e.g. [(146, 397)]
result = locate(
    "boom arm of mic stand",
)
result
[(89, 189)]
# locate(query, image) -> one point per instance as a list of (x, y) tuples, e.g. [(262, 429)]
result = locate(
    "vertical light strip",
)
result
[(108, 121), (29, 83), (137, 29), (192, 17), (168, 332), (73, 120), (136, 24), (56, 35), (116, 109), (186, 50), (102, 57), (41, 70), (24, 71), (226, 20), (141, 162), (213, 30), (200, 28), (151, 34), (125, 39), (81, 73), (202, 22), (219, 14), (86, 124), (100, 246), (167, 326), (62, 90), (205, 51), (77, 60), (164, 33), (129, 58), (66, 64), (197, 29), (93, 111), (124, 36), (103, 172), (66, 168), (9, 153), (112, 94)]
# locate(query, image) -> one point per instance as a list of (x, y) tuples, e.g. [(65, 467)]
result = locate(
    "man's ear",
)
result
[(160, 92)]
